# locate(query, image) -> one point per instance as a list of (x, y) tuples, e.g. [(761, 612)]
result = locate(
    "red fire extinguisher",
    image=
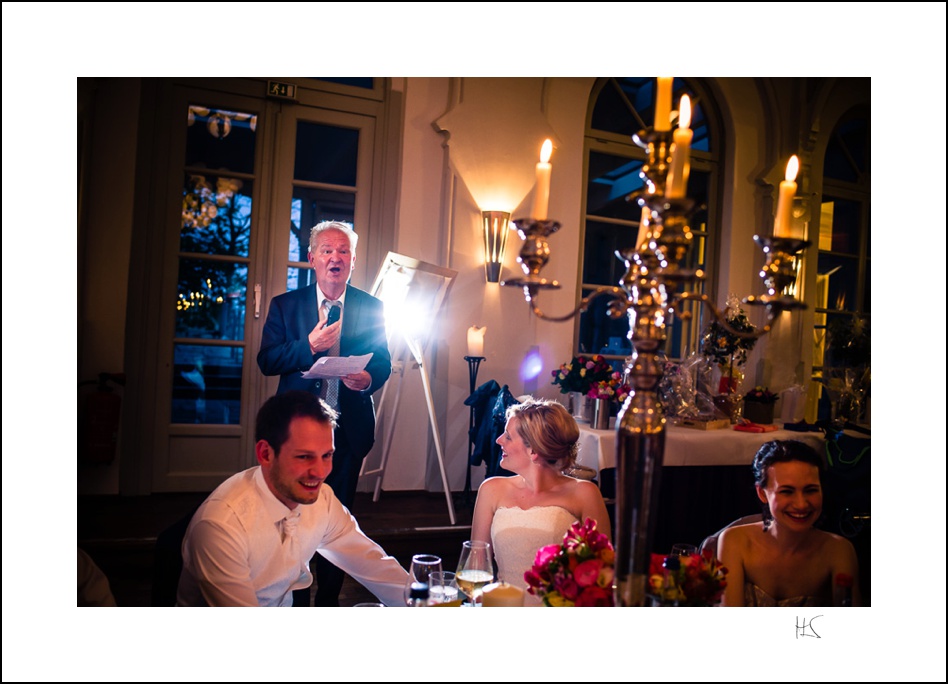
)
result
[(99, 422)]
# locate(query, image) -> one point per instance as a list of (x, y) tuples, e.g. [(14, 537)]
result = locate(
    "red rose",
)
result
[(595, 596), (587, 572)]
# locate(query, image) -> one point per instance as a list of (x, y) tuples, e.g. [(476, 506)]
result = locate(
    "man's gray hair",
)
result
[(334, 225)]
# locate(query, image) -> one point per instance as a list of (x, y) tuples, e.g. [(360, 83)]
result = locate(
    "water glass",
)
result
[(442, 587)]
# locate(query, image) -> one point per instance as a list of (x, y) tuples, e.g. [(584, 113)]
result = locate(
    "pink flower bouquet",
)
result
[(578, 572), (699, 581)]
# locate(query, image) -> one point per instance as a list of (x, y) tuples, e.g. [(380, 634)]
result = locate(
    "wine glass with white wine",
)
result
[(475, 569)]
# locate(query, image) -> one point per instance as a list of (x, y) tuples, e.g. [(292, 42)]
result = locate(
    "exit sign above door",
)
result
[(283, 91)]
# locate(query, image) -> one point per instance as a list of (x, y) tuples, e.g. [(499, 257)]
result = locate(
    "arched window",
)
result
[(619, 108), (843, 294)]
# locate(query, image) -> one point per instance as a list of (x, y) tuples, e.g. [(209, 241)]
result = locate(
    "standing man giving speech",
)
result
[(301, 328)]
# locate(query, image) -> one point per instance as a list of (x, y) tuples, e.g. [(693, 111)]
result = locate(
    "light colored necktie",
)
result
[(289, 530), (293, 553), (331, 385)]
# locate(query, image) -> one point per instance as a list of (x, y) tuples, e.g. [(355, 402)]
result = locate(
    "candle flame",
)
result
[(546, 151), (793, 166), (684, 112)]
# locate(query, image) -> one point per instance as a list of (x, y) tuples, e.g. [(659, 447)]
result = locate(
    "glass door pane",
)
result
[(213, 255)]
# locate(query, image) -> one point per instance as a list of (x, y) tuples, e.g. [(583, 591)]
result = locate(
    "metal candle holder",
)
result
[(648, 294), (473, 363)]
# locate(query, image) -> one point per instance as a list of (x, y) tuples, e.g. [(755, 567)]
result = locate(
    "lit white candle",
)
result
[(643, 226), (475, 340), (677, 181), (788, 188), (663, 103), (541, 199)]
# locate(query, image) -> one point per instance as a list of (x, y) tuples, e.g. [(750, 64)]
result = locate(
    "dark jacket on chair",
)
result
[(490, 402)]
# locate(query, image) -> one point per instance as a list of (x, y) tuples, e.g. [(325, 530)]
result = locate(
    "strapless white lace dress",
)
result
[(517, 534)]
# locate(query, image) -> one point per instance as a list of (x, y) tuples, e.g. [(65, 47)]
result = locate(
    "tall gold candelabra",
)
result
[(652, 286)]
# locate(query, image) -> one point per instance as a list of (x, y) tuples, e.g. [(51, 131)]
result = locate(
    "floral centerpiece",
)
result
[(723, 347), (611, 389), (580, 374), (578, 572), (761, 395), (699, 581)]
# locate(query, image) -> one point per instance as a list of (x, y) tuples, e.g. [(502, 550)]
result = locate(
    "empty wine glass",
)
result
[(422, 565), (475, 569)]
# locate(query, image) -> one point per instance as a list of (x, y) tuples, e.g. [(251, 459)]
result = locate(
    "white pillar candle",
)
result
[(541, 200), (677, 181), (663, 103), (475, 340), (788, 188)]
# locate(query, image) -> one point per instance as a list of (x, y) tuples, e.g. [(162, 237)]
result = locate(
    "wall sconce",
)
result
[(495, 242)]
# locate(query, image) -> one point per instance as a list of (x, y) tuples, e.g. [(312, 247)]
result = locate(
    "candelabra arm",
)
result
[(722, 319), (583, 304)]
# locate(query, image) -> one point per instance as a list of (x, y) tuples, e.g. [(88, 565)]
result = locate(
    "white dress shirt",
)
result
[(320, 298), (235, 554)]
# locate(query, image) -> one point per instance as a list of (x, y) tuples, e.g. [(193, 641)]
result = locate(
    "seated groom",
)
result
[(250, 542)]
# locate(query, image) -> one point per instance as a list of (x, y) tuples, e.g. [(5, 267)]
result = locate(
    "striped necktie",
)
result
[(331, 385)]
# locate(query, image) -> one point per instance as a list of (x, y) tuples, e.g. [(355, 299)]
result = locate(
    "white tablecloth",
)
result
[(688, 447)]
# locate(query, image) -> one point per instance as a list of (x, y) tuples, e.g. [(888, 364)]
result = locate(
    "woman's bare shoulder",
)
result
[(836, 544), (495, 488), (739, 533), (494, 483), (585, 486)]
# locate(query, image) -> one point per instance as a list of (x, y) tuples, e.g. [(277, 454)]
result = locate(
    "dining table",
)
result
[(686, 446)]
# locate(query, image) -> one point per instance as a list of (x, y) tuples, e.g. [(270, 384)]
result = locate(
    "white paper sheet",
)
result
[(337, 366)]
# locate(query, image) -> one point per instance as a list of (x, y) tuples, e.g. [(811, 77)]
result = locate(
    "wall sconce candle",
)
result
[(496, 227), (475, 341)]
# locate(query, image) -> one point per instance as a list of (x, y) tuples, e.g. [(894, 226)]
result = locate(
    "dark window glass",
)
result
[(312, 206), (326, 154), (215, 215), (846, 226), (207, 381), (367, 83), (212, 299), (838, 278), (847, 154), (600, 264), (611, 179), (219, 139)]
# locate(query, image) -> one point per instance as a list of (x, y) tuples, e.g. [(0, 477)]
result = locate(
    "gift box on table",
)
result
[(759, 412)]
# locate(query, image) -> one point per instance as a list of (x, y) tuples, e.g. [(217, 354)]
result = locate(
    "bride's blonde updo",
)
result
[(548, 429)]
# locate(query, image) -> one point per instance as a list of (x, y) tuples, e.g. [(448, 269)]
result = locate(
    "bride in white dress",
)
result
[(536, 506)]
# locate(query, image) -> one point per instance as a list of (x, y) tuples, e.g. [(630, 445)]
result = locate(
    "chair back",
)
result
[(168, 562), (710, 542)]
